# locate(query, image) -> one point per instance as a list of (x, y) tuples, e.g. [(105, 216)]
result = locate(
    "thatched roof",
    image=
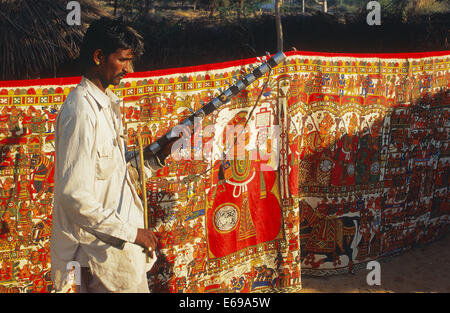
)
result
[(35, 38)]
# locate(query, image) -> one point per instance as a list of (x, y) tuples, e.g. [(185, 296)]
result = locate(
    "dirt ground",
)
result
[(425, 268)]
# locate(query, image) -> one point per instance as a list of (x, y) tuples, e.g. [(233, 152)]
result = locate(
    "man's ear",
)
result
[(98, 57)]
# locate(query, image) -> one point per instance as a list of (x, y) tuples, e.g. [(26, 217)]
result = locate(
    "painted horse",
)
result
[(326, 235), (43, 174)]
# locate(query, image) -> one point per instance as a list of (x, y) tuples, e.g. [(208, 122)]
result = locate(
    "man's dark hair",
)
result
[(109, 35)]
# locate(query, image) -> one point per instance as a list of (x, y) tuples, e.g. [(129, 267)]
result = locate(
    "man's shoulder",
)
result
[(77, 95), (77, 102)]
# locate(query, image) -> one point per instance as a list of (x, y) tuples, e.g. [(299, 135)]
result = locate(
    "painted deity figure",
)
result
[(367, 168), (14, 120), (7, 192), (6, 159), (315, 153), (26, 121), (38, 122), (245, 207), (146, 135), (294, 91), (22, 160), (24, 215), (343, 173), (8, 228), (51, 118)]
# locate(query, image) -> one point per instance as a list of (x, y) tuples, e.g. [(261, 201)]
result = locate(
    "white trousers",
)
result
[(91, 284)]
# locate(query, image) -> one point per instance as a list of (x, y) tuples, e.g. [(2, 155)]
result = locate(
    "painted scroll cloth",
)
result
[(345, 161)]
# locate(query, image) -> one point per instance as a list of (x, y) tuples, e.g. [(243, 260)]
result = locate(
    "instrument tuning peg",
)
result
[(268, 54), (259, 59)]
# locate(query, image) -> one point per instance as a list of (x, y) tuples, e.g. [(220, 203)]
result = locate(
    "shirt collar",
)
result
[(104, 99)]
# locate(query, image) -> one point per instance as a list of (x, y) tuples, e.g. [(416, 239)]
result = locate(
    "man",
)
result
[(98, 217)]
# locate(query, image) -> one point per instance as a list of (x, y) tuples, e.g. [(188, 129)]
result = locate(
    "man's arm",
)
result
[(146, 238), (151, 163)]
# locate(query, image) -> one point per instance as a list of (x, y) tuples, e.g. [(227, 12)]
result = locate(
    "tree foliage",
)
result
[(36, 38)]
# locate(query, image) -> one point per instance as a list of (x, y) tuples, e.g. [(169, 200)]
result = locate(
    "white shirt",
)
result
[(94, 197)]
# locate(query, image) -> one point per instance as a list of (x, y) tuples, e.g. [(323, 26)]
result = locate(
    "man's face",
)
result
[(117, 65)]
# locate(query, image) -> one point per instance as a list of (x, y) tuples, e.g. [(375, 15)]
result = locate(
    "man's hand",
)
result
[(167, 149), (147, 240), (164, 152)]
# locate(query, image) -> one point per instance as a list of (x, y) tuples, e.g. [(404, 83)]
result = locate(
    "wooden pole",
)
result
[(143, 185), (279, 26)]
